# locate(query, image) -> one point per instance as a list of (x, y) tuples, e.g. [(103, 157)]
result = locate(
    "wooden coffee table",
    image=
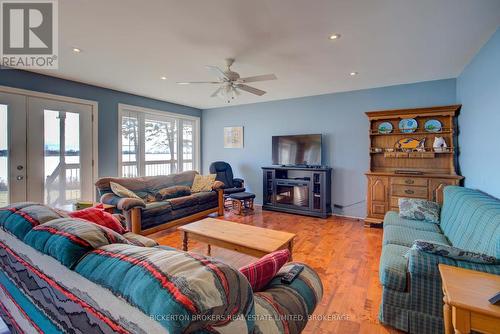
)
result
[(250, 240), (466, 307)]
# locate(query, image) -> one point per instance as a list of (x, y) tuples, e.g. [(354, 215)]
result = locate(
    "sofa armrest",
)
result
[(423, 264), (122, 203), (238, 183), (285, 308)]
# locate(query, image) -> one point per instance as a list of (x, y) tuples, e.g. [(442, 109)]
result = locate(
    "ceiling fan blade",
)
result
[(218, 72), (263, 77), (217, 91), (198, 82), (250, 89)]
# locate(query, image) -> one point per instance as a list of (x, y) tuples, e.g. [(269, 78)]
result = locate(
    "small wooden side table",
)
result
[(466, 307), (80, 205)]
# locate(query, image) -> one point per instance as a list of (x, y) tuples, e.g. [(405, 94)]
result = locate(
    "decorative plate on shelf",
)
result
[(408, 125), (385, 127), (433, 125)]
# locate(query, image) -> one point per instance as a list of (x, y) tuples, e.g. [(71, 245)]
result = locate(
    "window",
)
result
[(156, 143)]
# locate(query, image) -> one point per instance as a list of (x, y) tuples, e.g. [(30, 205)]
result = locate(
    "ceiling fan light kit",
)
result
[(230, 83)]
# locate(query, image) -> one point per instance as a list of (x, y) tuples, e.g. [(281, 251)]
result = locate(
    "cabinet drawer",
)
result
[(409, 191), (378, 209), (394, 203), (409, 181)]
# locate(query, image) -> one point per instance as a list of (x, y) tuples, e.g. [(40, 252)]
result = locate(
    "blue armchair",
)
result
[(224, 174)]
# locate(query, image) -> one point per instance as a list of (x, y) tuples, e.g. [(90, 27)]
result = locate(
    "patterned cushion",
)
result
[(393, 218), (205, 197), (404, 236), (68, 240), (203, 183), (278, 300), (121, 191), (200, 292), (100, 217), (393, 267), (419, 209), (172, 192), (146, 196), (122, 203), (453, 252), (20, 218), (261, 272), (183, 202), (139, 240)]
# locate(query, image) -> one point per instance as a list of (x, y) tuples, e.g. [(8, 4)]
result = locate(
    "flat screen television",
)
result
[(297, 150)]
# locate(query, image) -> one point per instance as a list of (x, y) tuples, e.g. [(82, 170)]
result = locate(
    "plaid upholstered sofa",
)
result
[(412, 298), (62, 275), (148, 217)]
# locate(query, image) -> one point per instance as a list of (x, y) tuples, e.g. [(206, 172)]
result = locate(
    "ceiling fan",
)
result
[(230, 83)]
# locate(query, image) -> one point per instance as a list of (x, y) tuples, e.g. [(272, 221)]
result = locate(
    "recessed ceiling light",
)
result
[(334, 36), (77, 50), (163, 78), (183, 83), (353, 74)]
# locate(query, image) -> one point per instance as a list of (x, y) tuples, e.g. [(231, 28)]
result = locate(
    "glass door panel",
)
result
[(12, 148), (61, 157), (63, 146), (4, 156)]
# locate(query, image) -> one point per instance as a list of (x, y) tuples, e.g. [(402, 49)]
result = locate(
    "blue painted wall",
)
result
[(108, 100), (339, 117), (478, 90)]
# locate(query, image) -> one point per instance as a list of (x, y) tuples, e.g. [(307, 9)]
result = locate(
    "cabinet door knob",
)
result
[(409, 192), (409, 181)]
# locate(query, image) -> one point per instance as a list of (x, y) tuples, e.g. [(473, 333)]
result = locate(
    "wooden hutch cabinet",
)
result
[(398, 170)]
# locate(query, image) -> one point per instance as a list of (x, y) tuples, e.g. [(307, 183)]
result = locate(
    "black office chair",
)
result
[(224, 174)]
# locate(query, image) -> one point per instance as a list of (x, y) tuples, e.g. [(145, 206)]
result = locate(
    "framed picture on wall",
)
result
[(233, 137)]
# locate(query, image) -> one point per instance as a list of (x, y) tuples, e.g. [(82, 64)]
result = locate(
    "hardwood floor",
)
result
[(343, 252)]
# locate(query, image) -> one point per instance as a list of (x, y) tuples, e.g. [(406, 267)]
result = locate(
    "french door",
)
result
[(46, 150)]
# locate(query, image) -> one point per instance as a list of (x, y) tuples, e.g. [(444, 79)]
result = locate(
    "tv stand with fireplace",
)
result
[(304, 190)]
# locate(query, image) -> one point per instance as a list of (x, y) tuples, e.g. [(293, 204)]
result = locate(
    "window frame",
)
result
[(142, 114)]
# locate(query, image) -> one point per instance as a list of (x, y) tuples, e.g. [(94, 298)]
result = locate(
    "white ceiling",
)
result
[(129, 44)]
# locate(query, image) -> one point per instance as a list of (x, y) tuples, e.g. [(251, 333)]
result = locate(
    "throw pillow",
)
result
[(261, 272), (172, 192), (121, 191), (100, 217), (453, 252), (419, 209), (203, 183)]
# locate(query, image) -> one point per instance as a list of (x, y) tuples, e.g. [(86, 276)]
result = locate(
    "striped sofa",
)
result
[(412, 298), (64, 275)]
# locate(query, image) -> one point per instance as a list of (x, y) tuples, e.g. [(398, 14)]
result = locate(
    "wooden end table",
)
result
[(80, 205), (250, 240), (466, 307)]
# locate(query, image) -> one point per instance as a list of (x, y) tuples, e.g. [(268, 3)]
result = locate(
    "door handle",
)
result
[(19, 178)]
